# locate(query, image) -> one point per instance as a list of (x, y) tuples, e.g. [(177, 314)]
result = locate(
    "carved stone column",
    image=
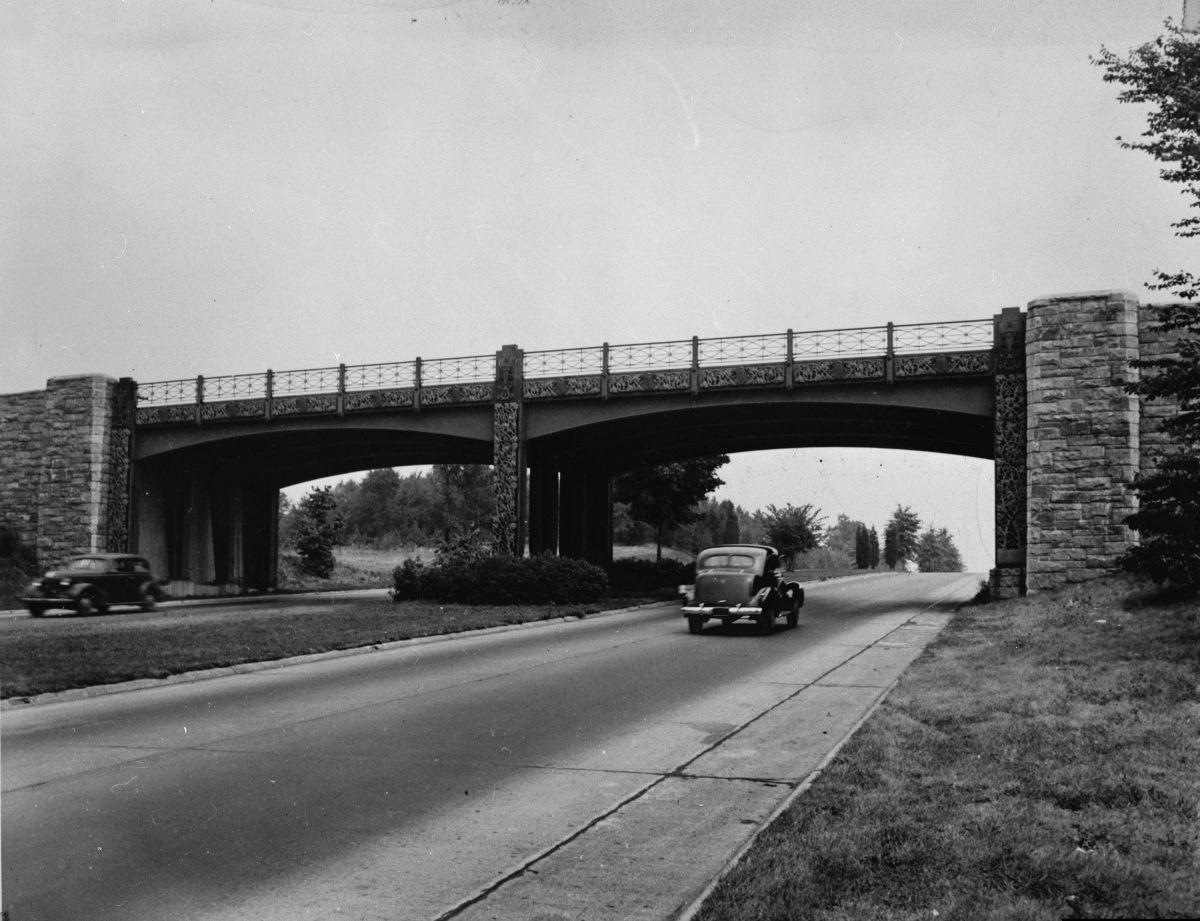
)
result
[(1008, 578), (120, 450), (508, 458)]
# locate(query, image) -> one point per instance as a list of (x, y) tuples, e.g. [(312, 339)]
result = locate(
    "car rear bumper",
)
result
[(740, 610)]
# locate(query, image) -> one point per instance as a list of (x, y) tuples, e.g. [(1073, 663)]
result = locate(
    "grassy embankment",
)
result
[(1040, 761)]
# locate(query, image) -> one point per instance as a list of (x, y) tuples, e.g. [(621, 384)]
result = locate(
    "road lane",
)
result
[(403, 783)]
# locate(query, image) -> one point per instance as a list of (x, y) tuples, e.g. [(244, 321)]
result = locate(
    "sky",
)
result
[(228, 186)]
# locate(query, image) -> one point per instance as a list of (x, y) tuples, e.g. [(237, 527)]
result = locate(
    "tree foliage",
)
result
[(317, 531), (1165, 75), (791, 530), (937, 552), (901, 536), (666, 495)]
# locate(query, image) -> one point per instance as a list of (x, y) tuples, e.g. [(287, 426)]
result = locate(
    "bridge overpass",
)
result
[(188, 471)]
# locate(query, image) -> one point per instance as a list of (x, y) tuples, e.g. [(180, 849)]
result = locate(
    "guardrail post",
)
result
[(341, 394), (789, 373), (199, 396), (695, 375), (417, 385), (270, 394), (604, 372), (889, 361)]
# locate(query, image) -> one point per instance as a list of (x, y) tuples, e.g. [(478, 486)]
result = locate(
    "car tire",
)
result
[(149, 599), (89, 603), (36, 610), (766, 621), (695, 623), (793, 614)]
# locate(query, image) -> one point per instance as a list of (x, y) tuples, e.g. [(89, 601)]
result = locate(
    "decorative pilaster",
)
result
[(508, 464), (1008, 578), (120, 448)]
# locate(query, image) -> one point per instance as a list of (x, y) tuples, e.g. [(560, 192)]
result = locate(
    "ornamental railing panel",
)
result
[(840, 343), (564, 363), (741, 350), (471, 369), (299, 383), (916, 338), (650, 356), (393, 376)]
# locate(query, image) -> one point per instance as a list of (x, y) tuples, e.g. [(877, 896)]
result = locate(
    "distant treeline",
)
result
[(452, 502)]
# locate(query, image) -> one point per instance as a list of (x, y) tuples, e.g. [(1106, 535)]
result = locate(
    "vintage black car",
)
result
[(89, 584), (740, 580)]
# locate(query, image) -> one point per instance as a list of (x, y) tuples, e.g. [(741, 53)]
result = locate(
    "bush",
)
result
[(544, 579), (634, 575)]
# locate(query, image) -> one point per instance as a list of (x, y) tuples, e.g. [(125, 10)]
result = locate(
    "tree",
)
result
[(317, 531), (904, 528), (874, 558), (862, 547), (466, 500), (1165, 74), (936, 552), (792, 530), (890, 555), (841, 540), (665, 496)]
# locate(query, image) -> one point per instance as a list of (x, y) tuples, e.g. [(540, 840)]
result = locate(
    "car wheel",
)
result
[(36, 610), (695, 623), (793, 615), (89, 603), (766, 621), (149, 599)]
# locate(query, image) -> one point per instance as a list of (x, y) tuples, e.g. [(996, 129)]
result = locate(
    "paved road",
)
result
[(606, 768)]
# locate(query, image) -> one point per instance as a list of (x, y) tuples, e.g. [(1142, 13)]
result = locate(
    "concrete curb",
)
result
[(690, 911), (247, 668)]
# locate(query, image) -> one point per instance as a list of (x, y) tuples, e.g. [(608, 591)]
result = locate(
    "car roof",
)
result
[(739, 547), (107, 555)]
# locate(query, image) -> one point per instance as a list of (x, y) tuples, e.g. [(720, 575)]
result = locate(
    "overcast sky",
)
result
[(222, 187)]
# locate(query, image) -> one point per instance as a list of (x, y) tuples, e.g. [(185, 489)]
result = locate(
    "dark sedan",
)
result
[(89, 584)]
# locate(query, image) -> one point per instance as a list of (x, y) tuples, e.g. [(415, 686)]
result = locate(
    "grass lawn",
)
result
[(39, 656), (1040, 761)]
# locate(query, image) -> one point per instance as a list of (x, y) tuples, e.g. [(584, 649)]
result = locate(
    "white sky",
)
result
[(216, 188)]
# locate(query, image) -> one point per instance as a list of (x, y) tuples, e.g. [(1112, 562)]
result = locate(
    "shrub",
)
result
[(635, 575), (544, 579)]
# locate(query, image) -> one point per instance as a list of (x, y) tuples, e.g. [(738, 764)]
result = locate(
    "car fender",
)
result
[(763, 597), (794, 590)]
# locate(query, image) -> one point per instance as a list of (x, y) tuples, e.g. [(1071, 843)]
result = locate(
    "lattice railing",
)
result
[(914, 338), (381, 377)]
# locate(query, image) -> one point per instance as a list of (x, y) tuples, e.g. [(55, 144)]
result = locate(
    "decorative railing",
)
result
[(874, 343)]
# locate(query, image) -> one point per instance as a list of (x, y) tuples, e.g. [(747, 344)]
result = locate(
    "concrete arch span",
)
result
[(615, 446)]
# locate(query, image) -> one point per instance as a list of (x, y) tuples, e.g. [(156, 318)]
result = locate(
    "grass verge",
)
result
[(40, 656), (1040, 761)]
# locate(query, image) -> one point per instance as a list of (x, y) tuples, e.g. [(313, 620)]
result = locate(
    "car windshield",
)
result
[(88, 563), (739, 561)]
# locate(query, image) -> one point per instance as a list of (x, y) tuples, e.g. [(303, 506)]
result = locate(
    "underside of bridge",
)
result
[(208, 512), (571, 471)]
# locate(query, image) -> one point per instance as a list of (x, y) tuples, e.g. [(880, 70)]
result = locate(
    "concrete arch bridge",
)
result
[(187, 472)]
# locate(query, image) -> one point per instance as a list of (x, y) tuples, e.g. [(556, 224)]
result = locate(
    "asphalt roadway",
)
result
[(609, 768)]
